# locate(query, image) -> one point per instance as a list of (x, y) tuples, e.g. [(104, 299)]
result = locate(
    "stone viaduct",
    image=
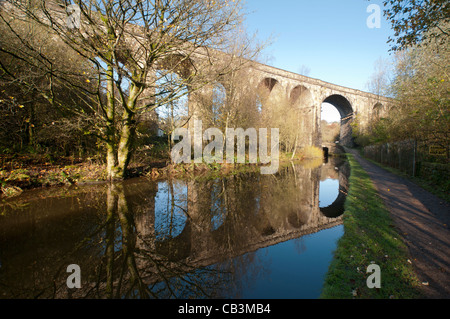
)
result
[(272, 83), (308, 95)]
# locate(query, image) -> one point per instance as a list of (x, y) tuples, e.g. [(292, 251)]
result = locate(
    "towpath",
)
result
[(424, 222)]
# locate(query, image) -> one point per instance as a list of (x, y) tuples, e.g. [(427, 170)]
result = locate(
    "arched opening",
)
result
[(344, 117), (267, 92), (171, 91), (172, 99), (302, 107), (218, 105), (266, 86), (330, 125), (376, 112), (209, 104)]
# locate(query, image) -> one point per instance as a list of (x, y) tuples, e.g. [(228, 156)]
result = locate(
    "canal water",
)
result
[(243, 236)]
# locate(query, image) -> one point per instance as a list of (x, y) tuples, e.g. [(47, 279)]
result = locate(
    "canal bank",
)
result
[(370, 237)]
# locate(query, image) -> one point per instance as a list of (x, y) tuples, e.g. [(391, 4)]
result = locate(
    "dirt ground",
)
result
[(424, 222)]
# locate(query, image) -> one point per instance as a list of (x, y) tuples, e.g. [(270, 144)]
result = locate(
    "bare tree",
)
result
[(380, 79), (130, 46), (421, 86), (304, 70)]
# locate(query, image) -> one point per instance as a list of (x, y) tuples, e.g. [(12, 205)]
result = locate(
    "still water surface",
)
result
[(243, 236)]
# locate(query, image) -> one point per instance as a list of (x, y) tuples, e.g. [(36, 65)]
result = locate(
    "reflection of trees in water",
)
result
[(171, 209), (299, 244), (138, 270), (236, 201), (227, 216), (141, 239), (241, 272), (114, 245), (38, 238)]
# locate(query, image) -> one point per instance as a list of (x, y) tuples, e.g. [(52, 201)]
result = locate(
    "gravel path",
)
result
[(424, 222)]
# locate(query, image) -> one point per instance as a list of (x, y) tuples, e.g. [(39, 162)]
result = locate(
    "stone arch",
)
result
[(266, 86), (300, 96), (207, 104), (172, 71), (269, 90), (172, 111), (173, 76), (178, 63), (376, 111), (345, 109)]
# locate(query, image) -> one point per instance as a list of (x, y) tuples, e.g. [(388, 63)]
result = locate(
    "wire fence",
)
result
[(419, 159)]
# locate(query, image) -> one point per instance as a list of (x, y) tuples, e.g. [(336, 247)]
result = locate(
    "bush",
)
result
[(311, 152)]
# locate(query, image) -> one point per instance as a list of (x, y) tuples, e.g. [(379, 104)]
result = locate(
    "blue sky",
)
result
[(330, 37)]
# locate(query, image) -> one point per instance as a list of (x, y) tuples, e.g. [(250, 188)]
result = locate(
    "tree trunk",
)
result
[(111, 157), (125, 144), (111, 199), (127, 134)]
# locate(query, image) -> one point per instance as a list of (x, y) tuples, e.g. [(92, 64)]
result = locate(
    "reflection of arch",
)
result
[(172, 227), (345, 110), (336, 209), (218, 210), (176, 248), (298, 219)]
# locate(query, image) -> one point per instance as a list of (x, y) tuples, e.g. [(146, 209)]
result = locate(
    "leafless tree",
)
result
[(130, 46)]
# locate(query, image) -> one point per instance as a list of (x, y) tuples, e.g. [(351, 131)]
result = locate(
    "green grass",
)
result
[(369, 237)]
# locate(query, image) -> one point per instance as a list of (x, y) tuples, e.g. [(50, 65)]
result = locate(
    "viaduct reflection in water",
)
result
[(169, 239)]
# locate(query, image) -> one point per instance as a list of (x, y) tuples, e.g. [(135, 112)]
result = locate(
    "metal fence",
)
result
[(423, 160), (400, 155)]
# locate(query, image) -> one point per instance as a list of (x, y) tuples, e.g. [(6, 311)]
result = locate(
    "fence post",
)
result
[(414, 159)]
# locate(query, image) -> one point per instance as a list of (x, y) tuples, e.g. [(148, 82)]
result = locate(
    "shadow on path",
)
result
[(423, 220)]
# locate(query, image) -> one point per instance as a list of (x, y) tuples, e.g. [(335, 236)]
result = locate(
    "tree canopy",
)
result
[(417, 21)]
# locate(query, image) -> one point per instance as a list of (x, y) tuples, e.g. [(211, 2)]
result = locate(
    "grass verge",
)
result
[(369, 237)]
